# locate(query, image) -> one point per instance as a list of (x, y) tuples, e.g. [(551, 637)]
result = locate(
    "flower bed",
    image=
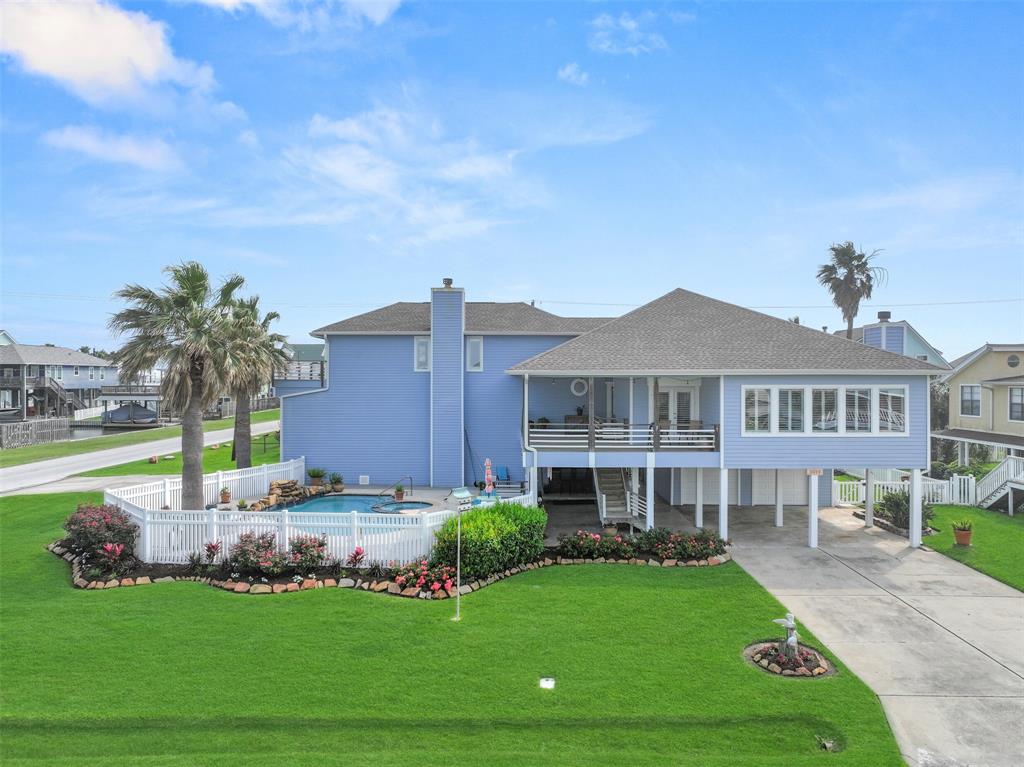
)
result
[(806, 661), (661, 542)]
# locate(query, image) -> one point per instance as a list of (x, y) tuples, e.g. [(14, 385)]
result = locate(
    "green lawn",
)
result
[(997, 546), (647, 663), (20, 455), (266, 450)]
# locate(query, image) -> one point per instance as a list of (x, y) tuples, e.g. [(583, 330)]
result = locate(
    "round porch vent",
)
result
[(578, 387)]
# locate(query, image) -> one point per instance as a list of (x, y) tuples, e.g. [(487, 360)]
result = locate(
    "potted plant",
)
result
[(962, 531), (337, 482), (399, 492), (242, 504), (316, 476), (225, 495)]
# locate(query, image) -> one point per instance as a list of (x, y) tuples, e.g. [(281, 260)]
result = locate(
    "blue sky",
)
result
[(347, 155)]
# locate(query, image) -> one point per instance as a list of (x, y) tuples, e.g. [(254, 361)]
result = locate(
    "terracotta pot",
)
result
[(963, 537), (316, 481), (225, 497), (399, 495)]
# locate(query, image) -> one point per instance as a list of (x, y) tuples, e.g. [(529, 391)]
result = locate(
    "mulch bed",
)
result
[(808, 662), (146, 574)]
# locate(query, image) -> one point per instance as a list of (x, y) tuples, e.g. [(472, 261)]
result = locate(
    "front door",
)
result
[(677, 407)]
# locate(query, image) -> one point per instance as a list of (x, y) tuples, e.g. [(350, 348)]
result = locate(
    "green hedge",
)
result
[(494, 539)]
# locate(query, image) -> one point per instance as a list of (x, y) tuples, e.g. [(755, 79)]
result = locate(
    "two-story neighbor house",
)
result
[(897, 336), (986, 399), (697, 400), (42, 379)]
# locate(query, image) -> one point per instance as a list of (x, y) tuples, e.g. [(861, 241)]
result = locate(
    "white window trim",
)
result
[(59, 372), (471, 340), (76, 371), (773, 420), (416, 341), (1009, 393), (961, 405), (92, 373)]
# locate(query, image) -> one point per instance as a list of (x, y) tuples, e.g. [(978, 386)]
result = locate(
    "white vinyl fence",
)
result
[(957, 490), (170, 535), (86, 413)]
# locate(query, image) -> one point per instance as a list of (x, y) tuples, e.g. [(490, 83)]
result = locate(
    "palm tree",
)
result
[(183, 326), (850, 277), (256, 354)]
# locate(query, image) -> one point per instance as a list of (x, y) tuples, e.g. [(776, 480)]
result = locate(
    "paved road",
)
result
[(941, 644), (21, 478)]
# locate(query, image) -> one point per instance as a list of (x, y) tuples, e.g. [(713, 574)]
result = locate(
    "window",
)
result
[(76, 370), (92, 373), (1013, 360), (823, 410), (103, 373), (8, 372), (892, 410), (757, 410), (1017, 403), (791, 410), (970, 399), (858, 410), (475, 354), (60, 372), (421, 354)]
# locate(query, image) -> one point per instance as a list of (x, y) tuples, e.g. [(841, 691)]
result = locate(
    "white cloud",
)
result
[(305, 15), (572, 73), (101, 53), (249, 139), (147, 153), (625, 34)]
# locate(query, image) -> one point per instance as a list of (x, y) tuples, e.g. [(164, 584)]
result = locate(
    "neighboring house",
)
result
[(693, 399), (986, 399), (899, 337), (38, 380), (305, 369)]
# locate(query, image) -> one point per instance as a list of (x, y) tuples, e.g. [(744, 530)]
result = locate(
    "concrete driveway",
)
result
[(941, 644)]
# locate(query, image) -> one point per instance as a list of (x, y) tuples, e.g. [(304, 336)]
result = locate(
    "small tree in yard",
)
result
[(183, 326), (256, 354), (850, 277)]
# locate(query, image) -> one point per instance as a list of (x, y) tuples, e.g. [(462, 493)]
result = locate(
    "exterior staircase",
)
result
[(610, 485), (994, 486)]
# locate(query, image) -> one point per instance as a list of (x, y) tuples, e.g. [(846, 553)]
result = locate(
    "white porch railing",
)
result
[(1009, 468), (620, 436), (170, 535), (958, 490)]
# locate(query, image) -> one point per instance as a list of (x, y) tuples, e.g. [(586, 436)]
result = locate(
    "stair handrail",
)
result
[(393, 485), (1009, 468)]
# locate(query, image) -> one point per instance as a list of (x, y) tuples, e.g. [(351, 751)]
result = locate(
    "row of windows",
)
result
[(824, 410), (970, 401), (54, 371), (474, 354)]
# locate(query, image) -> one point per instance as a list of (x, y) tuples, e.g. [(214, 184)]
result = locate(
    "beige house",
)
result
[(986, 399)]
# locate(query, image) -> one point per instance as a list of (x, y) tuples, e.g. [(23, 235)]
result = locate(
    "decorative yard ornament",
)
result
[(787, 647)]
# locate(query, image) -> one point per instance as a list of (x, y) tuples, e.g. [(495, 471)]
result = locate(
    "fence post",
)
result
[(424, 535), (211, 525), (355, 529), (147, 539), (266, 482), (167, 493), (282, 531)]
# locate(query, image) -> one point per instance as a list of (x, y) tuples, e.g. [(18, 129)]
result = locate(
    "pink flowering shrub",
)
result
[(307, 552), (425, 577), (582, 545), (659, 541), (92, 526), (257, 553)]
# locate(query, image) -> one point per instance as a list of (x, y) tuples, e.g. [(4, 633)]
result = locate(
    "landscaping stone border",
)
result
[(365, 584), (890, 527), (825, 667)]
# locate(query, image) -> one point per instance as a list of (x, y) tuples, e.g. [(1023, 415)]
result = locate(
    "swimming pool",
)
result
[(339, 504)]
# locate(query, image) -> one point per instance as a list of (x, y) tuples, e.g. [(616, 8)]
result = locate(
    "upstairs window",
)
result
[(824, 418), (421, 354), (59, 370), (791, 410), (1017, 403), (92, 373), (757, 410), (892, 410), (76, 370), (103, 373), (970, 399), (475, 354), (858, 410)]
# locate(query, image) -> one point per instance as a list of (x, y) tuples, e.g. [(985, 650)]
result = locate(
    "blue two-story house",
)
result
[(698, 401)]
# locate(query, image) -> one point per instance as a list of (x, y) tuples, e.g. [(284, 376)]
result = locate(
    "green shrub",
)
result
[(494, 538), (92, 526), (894, 507)]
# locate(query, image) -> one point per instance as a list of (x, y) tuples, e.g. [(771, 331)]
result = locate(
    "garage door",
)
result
[(689, 480), (792, 481)]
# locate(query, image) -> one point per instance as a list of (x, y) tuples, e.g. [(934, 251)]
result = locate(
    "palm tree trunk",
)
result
[(243, 431), (849, 328), (192, 450)]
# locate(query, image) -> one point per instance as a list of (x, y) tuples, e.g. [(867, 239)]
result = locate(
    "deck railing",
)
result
[(957, 490), (620, 436)]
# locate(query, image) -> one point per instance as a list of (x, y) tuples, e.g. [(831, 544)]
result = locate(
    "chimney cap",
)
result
[(447, 282), (884, 316)]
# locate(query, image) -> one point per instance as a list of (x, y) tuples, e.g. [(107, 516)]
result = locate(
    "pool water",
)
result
[(339, 504)]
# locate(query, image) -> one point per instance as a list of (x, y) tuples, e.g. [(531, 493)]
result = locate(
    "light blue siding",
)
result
[(873, 337), (291, 385), (447, 364), (494, 403), (826, 451), (894, 338), (373, 419)]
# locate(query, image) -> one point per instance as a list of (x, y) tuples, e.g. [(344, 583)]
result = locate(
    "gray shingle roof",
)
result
[(38, 354), (481, 317), (684, 332)]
